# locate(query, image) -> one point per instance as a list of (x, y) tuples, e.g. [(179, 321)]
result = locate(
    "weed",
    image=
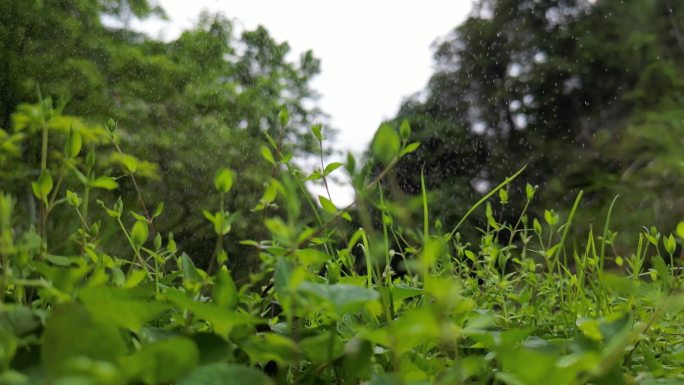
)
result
[(528, 302)]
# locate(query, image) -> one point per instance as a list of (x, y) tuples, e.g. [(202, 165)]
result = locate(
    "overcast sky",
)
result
[(373, 53)]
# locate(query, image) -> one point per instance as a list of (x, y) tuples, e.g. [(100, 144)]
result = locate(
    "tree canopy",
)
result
[(211, 89), (587, 94)]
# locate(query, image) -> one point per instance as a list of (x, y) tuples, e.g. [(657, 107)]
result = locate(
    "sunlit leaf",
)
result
[(331, 167), (104, 182), (405, 129), (680, 230), (267, 154), (73, 144), (327, 204), (386, 143), (139, 233), (223, 181), (316, 130), (43, 186)]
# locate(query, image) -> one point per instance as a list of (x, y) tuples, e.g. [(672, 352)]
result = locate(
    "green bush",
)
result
[(531, 303)]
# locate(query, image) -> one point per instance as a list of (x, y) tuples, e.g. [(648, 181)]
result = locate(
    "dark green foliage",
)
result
[(208, 90), (577, 90), (461, 313), (95, 289)]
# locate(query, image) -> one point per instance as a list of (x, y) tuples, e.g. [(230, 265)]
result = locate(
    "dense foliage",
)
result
[(587, 93), (536, 309), (208, 89), (156, 229)]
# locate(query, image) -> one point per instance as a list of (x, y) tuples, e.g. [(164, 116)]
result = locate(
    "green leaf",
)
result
[(122, 307), (118, 205), (317, 349), (110, 125), (418, 326), (43, 186), (221, 222), (405, 130), (139, 233), (225, 293), (312, 257), (225, 374), (212, 348), (104, 182), (265, 347), (158, 211), (110, 212), (224, 180), (680, 230), (386, 143), (315, 175), (135, 278), (503, 196), (327, 204), (71, 333), (386, 379), (411, 147), (341, 298), (190, 273), (529, 191), (351, 163), (73, 144), (73, 199), (162, 362), (670, 244), (90, 157), (138, 216), (79, 175), (269, 196), (268, 155), (281, 281), (550, 217), (222, 257), (221, 319), (661, 267), (207, 214), (129, 162), (157, 242), (316, 130), (331, 167), (171, 245), (283, 116), (537, 226)]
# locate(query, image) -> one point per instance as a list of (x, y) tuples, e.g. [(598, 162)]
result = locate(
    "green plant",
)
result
[(532, 303)]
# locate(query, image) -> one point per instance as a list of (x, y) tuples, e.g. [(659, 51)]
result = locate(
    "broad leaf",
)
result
[(225, 374), (162, 362), (386, 143), (71, 332)]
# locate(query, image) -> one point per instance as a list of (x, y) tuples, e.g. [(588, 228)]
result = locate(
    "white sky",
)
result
[(373, 53)]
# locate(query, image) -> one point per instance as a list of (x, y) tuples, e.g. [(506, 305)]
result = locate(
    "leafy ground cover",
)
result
[(529, 302)]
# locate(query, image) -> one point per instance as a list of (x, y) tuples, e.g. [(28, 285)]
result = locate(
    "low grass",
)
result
[(527, 302)]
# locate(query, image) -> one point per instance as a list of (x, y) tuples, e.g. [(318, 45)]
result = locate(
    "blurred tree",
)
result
[(576, 89), (191, 105)]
